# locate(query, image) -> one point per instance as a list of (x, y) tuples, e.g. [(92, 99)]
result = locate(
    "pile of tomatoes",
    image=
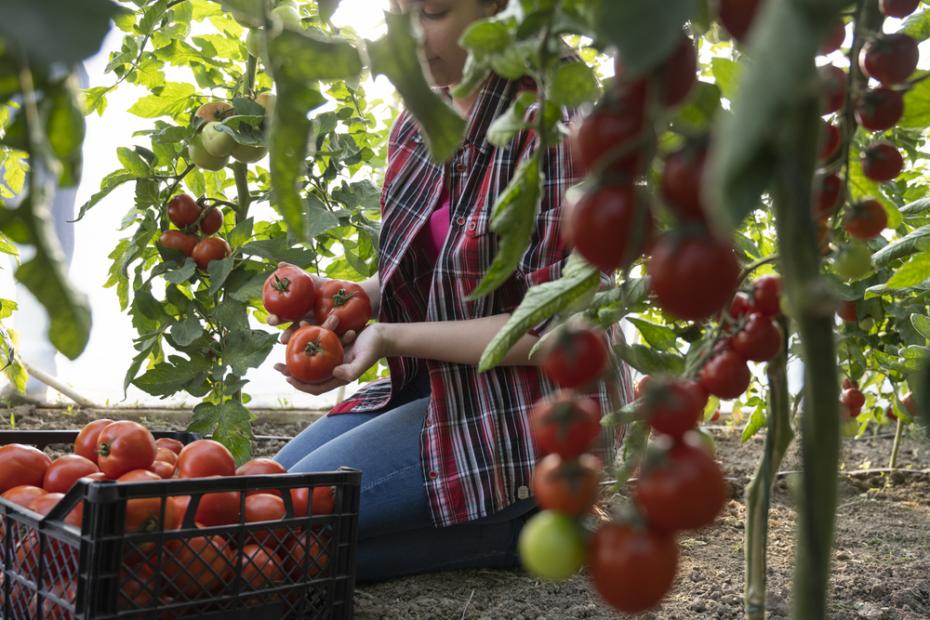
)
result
[(292, 295), (191, 567)]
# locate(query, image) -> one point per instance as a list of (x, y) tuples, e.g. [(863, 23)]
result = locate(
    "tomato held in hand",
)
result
[(566, 423), (183, 210), (866, 219), (567, 486), (685, 490), (551, 545), (726, 375), (673, 408), (21, 465), (631, 569), (176, 240), (289, 293), (204, 458), (760, 339), (610, 226), (124, 446), (576, 357), (890, 58), (210, 249), (86, 443), (693, 275), (312, 354), (347, 300), (65, 471)]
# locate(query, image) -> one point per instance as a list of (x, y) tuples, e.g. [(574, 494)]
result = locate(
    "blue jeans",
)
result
[(395, 529)]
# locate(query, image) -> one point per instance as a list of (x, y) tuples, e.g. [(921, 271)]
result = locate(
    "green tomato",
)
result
[(288, 15), (253, 42), (551, 545), (202, 159), (247, 153), (853, 262), (216, 142)]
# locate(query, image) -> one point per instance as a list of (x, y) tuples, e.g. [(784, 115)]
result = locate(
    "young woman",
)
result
[(445, 451)]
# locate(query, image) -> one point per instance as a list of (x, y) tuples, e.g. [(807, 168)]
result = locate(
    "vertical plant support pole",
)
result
[(759, 491), (898, 431), (812, 307)]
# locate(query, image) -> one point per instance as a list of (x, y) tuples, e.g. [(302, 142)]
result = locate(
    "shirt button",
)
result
[(523, 492), (472, 226), (460, 167), (433, 475), (460, 220)]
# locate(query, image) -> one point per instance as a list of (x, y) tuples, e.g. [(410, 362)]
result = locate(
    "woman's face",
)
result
[(443, 22)]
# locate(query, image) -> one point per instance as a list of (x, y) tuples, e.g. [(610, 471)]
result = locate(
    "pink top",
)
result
[(434, 234)]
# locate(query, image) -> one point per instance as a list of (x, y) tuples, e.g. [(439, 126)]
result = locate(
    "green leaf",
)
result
[(109, 183), (579, 280), (645, 32), (505, 127), (319, 218), (172, 100), (513, 218), (917, 106), (918, 240), (186, 331), (232, 315), (204, 418), (396, 56), (757, 422), (486, 37), (726, 74), (276, 250), (921, 323), (182, 274), (573, 84), (917, 25), (659, 336), (133, 162), (699, 111), (51, 31), (234, 429), (247, 349), (913, 272), (169, 377), (649, 361), (219, 270)]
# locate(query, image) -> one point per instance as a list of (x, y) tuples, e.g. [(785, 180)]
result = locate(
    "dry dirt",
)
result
[(881, 567)]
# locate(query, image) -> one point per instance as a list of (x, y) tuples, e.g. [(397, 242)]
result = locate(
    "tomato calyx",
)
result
[(281, 284), (103, 449), (313, 348), (342, 297)]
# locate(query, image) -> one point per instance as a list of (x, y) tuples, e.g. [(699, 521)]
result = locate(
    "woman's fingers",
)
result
[(349, 337), (331, 323), (316, 388)]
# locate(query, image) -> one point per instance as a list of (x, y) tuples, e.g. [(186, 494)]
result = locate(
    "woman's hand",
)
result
[(361, 352)]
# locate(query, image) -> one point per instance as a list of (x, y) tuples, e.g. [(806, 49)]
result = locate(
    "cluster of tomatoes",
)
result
[(190, 568), (192, 219), (852, 400), (314, 351), (214, 144)]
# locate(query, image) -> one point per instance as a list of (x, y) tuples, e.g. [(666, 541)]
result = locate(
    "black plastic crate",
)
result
[(53, 571)]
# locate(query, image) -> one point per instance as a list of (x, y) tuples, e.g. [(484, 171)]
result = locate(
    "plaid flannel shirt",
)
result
[(476, 450)]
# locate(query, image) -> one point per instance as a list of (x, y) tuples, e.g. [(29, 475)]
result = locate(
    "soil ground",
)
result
[(881, 563)]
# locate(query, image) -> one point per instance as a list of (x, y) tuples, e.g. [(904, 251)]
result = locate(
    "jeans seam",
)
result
[(383, 479)]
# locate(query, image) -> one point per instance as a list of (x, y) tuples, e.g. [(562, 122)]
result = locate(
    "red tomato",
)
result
[(672, 408), (866, 219), (205, 457), (166, 455), (576, 357), (847, 311), (324, 500), (171, 444), (760, 339), (86, 443), (176, 240), (183, 210), (609, 226), (766, 295), (261, 568), (675, 77), (740, 306), (879, 109), (212, 221), (20, 465), (210, 249), (685, 491), (889, 58), (834, 39), (827, 190), (725, 375), (163, 469), (607, 138), (347, 300), (849, 383), (681, 181), (43, 505), (218, 509), (312, 353), (569, 486), (198, 565), (143, 515), (24, 494), (882, 162), (51, 610), (566, 423), (853, 398), (289, 293), (64, 472), (834, 88), (265, 507), (909, 403), (296, 557), (898, 8), (831, 141), (260, 467), (631, 569), (641, 386), (736, 16), (693, 276), (123, 446)]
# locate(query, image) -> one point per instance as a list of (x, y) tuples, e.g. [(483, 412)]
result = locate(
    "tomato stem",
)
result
[(342, 297)]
